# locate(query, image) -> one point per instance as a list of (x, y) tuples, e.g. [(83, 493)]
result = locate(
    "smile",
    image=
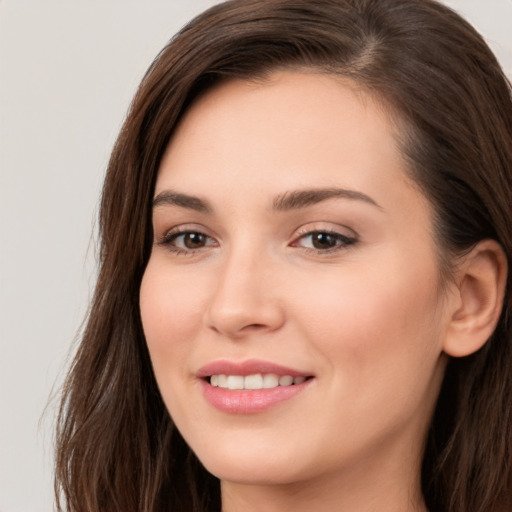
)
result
[(251, 386), (255, 381)]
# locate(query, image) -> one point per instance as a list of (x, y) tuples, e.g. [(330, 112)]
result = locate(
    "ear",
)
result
[(481, 281)]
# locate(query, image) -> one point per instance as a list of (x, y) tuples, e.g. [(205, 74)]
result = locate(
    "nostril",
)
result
[(235, 316)]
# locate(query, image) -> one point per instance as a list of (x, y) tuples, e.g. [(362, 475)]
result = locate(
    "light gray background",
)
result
[(68, 70)]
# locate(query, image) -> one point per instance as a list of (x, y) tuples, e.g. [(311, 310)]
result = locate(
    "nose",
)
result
[(245, 299)]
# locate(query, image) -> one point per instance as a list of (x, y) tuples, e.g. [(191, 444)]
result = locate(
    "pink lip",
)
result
[(248, 401), (244, 368)]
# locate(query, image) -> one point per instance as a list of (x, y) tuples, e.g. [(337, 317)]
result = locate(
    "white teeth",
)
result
[(235, 382), (285, 380), (255, 381), (270, 380)]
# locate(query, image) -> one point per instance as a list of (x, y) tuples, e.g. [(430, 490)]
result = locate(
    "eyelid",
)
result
[(168, 236), (325, 227), (183, 228), (347, 238)]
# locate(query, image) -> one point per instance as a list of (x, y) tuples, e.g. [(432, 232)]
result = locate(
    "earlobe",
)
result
[(481, 286)]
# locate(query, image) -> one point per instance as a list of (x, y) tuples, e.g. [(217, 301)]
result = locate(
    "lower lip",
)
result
[(250, 401)]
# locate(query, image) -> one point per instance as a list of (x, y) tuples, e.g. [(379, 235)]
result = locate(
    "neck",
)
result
[(304, 498)]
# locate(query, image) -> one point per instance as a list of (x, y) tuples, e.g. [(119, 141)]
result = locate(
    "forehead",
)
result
[(287, 99), (291, 130)]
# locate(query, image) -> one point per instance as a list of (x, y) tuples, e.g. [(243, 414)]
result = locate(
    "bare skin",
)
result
[(341, 285)]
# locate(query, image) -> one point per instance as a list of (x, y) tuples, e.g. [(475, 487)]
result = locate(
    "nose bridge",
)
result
[(244, 299)]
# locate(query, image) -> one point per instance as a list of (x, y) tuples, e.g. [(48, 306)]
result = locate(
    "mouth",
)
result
[(251, 386), (255, 381)]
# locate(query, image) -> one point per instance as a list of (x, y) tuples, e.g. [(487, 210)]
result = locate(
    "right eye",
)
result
[(187, 241)]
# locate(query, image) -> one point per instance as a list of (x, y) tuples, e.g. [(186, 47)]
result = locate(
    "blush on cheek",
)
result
[(171, 313), (374, 321)]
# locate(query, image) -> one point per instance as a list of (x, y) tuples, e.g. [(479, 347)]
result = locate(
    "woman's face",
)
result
[(291, 247)]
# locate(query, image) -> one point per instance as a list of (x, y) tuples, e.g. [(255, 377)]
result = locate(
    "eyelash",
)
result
[(169, 238), (342, 242)]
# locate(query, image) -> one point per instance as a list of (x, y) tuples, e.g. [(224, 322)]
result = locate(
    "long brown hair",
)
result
[(117, 448)]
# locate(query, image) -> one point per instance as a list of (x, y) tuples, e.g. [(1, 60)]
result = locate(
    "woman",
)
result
[(303, 298)]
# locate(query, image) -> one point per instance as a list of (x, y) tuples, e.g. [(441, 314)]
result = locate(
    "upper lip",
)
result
[(248, 367)]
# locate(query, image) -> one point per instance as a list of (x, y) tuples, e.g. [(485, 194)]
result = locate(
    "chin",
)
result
[(253, 472), (256, 462)]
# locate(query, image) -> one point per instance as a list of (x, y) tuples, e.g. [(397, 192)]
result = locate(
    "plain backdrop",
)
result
[(68, 70)]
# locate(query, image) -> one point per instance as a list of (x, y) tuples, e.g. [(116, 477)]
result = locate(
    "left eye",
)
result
[(324, 240)]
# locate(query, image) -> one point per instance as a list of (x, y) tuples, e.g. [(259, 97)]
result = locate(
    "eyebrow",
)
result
[(291, 200), (169, 197), (301, 198)]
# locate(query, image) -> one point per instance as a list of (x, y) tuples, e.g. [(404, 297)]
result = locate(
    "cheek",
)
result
[(171, 313), (378, 321), (380, 342)]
